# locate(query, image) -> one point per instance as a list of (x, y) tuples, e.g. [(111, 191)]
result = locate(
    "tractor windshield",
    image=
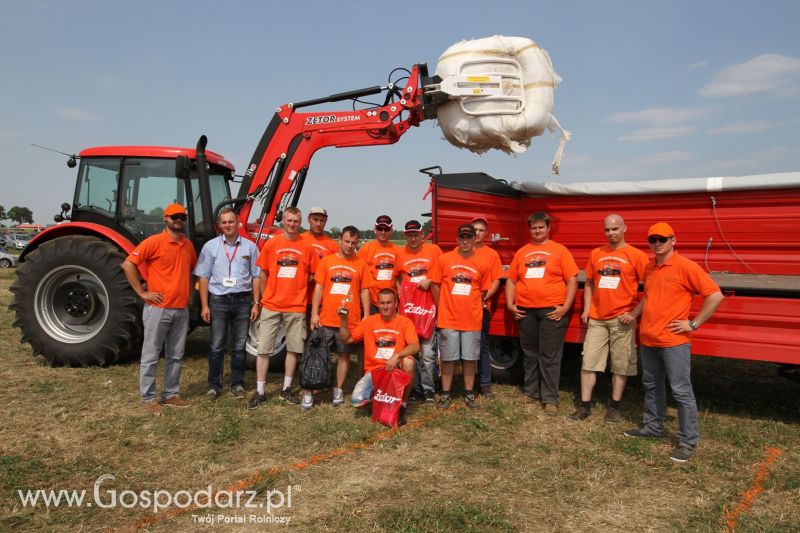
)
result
[(148, 186)]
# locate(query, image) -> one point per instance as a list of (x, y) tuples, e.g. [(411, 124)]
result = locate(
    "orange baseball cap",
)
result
[(661, 228), (175, 209)]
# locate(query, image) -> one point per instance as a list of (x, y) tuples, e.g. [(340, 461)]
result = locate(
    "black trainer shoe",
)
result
[(430, 397), (581, 413), (613, 415), (402, 420), (444, 401), (256, 400), (486, 392), (289, 396), (417, 395), (212, 395), (641, 432), (469, 401), (681, 454), (238, 392)]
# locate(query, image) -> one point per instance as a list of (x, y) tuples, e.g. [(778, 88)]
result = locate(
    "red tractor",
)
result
[(71, 298)]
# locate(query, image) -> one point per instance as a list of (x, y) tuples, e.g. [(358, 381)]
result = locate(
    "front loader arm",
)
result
[(278, 167)]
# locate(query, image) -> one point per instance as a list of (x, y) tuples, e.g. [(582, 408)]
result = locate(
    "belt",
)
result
[(246, 295)]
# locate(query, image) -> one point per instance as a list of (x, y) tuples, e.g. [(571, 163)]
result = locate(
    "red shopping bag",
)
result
[(418, 306), (389, 387)]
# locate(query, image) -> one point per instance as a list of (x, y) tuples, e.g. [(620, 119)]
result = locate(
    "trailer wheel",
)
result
[(74, 304), (506, 358), (278, 357)]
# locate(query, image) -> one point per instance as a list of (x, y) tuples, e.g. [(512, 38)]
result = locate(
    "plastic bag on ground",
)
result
[(388, 398), (316, 370)]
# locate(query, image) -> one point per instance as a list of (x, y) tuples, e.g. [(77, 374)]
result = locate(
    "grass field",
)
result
[(505, 467)]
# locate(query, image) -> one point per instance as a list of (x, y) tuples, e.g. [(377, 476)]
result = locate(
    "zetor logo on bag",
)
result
[(382, 397)]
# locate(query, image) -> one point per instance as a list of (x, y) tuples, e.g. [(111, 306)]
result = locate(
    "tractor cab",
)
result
[(125, 188)]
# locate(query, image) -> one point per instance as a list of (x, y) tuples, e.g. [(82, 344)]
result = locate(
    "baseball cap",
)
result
[(482, 220), (413, 226), (661, 228), (384, 220), (318, 211), (175, 209), (466, 229)]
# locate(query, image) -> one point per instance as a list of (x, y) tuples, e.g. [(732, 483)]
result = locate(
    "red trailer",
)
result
[(742, 230)]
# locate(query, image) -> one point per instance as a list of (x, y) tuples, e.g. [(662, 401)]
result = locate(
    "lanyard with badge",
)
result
[(229, 281)]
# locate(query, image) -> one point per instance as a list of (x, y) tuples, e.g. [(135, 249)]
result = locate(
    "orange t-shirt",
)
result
[(541, 272), (488, 259), (287, 265), (169, 266), (414, 266), (616, 275), (460, 283), (669, 289), (322, 246), (338, 276), (381, 261), (383, 339)]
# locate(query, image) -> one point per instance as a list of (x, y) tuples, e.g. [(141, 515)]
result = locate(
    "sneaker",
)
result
[(581, 413), (550, 409), (212, 395), (308, 402), (338, 397), (469, 401), (417, 396), (486, 392), (363, 403), (681, 454), (289, 396), (430, 397), (641, 432), (152, 407), (444, 401), (402, 421), (175, 401), (238, 392), (613, 415), (256, 400)]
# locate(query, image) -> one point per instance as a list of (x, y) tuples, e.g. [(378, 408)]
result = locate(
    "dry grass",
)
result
[(505, 467)]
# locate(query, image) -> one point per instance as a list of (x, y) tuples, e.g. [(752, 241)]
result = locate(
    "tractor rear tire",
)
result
[(74, 304)]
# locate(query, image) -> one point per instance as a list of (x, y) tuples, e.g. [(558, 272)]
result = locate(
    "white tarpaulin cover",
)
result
[(506, 120), (782, 180)]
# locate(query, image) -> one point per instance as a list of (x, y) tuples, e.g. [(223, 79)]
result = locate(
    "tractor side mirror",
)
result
[(183, 167)]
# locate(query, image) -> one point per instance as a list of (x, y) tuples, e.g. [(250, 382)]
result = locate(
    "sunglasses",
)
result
[(383, 229), (179, 217), (657, 238)]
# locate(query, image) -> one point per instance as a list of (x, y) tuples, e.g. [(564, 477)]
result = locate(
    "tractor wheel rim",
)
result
[(71, 304)]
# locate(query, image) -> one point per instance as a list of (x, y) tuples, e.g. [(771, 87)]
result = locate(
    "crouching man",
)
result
[(390, 340)]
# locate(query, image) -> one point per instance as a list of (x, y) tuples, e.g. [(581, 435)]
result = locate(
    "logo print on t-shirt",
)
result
[(610, 269), (385, 264), (536, 262), (385, 341), (341, 277), (288, 260), (417, 271), (462, 277)]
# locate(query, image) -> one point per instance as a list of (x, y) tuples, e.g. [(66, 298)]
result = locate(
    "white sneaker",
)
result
[(338, 397), (308, 402)]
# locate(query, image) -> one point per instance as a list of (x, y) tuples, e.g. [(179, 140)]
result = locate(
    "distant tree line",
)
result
[(17, 214)]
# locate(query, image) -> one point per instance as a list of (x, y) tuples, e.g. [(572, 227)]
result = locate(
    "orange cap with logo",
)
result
[(175, 209), (661, 228)]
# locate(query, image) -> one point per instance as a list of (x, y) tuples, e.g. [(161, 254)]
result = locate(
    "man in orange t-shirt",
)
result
[(381, 257), (540, 289), (319, 240), (613, 274), (287, 264), (458, 288), (341, 279), (670, 283), (169, 258), (414, 262), (487, 259), (390, 341)]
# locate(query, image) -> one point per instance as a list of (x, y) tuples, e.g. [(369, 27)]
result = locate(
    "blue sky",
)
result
[(650, 89)]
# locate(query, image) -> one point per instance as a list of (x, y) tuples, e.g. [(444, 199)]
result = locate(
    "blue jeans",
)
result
[(675, 364), (167, 329), (425, 379), (230, 311), (485, 370)]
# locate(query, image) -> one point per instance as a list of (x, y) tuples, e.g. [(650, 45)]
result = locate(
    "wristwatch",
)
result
[(693, 325)]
